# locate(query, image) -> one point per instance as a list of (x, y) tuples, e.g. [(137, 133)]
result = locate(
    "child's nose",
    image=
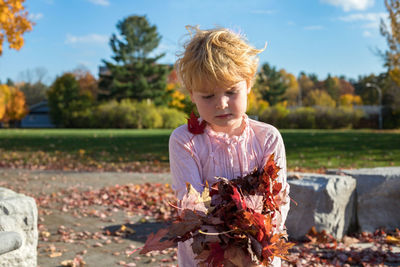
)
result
[(222, 102)]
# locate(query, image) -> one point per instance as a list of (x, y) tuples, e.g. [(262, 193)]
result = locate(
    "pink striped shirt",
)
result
[(199, 158)]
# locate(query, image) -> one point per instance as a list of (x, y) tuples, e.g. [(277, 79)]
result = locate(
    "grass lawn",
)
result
[(306, 149)]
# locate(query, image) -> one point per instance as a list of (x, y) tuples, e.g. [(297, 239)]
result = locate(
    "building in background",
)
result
[(38, 117)]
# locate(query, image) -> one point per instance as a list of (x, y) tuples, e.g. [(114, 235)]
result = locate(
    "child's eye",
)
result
[(207, 96), (231, 92)]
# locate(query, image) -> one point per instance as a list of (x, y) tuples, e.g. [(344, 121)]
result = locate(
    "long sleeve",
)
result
[(276, 146), (196, 159), (184, 163), (185, 168)]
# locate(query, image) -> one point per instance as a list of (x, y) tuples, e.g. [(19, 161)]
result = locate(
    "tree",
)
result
[(332, 86), (292, 92), (348, 100), (32, 84), (66, 100), (4, 97), (270, 84), (14, 23), (392, 35), (12, 104), (87, 83), (369, 95), (34, 92), (135, 74), (306, 85), (319, 98), (345, 87)]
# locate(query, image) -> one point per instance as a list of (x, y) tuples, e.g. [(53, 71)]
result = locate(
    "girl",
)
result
[(217, 68)]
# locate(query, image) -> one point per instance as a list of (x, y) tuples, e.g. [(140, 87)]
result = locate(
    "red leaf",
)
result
[(237, 198), (216, 257), (194, 126), (276, 188), (271, 168), (153, 242)]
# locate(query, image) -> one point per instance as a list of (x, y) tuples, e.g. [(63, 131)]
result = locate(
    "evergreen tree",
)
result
[(135, 74), (271, 85)]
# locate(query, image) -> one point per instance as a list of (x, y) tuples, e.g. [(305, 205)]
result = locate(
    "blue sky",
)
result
[(316, 36)]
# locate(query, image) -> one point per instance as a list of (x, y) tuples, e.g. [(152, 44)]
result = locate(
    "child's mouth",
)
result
[(223, 116)]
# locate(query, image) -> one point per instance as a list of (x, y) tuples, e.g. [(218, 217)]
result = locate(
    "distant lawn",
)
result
[(306, 149)]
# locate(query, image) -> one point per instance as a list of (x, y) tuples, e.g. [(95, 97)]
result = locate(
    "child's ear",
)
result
[(191, 97)]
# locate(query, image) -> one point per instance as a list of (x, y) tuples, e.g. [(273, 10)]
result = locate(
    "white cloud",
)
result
[(313, 28), (371, 20), (367, 34), (100, 2), (35, 16), (90, 38), (349, 5)]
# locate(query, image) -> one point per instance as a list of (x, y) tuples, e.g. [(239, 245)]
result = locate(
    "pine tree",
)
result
[(135, 73)]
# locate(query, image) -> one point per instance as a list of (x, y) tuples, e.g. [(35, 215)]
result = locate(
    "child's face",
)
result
[(224, 108)]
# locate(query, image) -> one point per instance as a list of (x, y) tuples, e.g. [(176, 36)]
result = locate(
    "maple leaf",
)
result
[(270, 168), (276, 188), (216, 256), (194, 126), (153, 242), (281, 248), (237, 256), (192, 200), (237, 198), (190, 221), (254, 202)]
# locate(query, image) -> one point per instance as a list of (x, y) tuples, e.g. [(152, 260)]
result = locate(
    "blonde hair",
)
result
[(217, 57)]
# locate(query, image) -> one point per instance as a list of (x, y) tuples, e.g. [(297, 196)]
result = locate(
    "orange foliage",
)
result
[(13, 23), (15, 105), (348, 100), (87, 83), (4, 97)]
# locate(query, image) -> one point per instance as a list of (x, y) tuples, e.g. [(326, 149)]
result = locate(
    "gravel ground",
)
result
[(98, 250), (64, 235)]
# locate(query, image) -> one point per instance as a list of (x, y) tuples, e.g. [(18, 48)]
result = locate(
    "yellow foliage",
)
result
[(14, 106), (177, 97), (255, 105), (348, 100), (13, 23), (293, 90), (319, 98), (395, 75), (4, 97)]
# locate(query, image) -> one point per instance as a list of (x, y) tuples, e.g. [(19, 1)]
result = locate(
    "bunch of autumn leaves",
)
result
[(231, 223)]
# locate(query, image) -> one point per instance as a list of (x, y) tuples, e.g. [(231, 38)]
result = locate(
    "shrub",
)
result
[(148, 115), (275, 115), (302, 118), (116, 115), (334, 118), (172, 118)]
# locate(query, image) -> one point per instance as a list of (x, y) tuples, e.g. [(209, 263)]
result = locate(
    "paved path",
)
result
[(53, 180), (34, 182)]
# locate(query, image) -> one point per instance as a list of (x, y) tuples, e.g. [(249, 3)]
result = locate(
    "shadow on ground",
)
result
[(135, 232)]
